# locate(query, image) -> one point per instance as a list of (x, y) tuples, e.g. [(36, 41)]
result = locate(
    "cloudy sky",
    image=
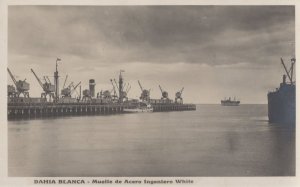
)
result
[(213, 51)]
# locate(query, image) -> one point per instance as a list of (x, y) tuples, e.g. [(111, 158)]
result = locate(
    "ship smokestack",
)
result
[(92, 87)]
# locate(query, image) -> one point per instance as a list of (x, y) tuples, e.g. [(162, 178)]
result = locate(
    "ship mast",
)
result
[(56, 76), (293, 60), (121, 96)]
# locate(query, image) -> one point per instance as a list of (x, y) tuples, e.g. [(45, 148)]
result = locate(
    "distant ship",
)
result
[(282, 103), (139, 107), (229, 102)]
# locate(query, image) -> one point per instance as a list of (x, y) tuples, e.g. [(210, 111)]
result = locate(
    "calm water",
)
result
[(211, 141)]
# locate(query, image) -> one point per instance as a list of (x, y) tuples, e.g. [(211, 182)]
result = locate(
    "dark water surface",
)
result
[(211, 141)]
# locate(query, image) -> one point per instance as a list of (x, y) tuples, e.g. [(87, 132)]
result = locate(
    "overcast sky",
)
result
[(213, 51)]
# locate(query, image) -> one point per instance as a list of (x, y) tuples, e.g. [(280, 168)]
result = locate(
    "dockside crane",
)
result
[(164, 94), (107, 95), (69, 90), (66, 92), (47, 87), (65, 81), (74, 88), (22, 87), (178, 96), (86, 95), (47, 80), (145, 95)]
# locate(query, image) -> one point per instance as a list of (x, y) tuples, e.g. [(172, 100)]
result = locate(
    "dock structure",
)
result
[(87, 102), (44, 110), (40, 110)]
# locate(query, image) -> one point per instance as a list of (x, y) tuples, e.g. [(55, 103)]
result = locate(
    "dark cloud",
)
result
[(147, 33), (167, 41)]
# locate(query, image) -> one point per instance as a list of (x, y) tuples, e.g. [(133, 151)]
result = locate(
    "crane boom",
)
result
[(286, 70), (12, 77), (74, 87), (181, 90), (65, 81), (140, 85), (48, 79), (45, 79), (113, 87), (160, 89), (116, 83), (70, 85), (40, 82)]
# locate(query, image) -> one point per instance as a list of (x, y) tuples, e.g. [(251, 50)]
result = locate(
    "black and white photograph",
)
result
[(146, 90)]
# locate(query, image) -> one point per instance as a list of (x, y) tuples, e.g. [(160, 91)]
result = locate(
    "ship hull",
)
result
[(232, 103), (282, 106), (136, 110)]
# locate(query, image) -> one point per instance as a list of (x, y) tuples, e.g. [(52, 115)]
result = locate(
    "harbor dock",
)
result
[(40, 110), (54, 103)]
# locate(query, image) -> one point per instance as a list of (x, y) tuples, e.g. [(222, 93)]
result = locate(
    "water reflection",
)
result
[(213, 141)]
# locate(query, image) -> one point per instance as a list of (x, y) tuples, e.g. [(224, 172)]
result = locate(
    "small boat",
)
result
[(140, 107), (229, 102)]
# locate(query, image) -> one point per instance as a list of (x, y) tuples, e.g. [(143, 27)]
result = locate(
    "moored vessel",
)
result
[(139, 107), (282, 101)]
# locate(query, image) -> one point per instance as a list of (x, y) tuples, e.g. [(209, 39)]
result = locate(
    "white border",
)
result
[(199, 181)]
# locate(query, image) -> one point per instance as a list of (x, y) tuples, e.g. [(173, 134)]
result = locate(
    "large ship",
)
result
[(229, 102), (282, 101)]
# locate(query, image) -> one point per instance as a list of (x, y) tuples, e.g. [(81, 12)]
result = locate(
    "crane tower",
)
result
[(178, 96), (145, 95), (22, 87), (47, 87)]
